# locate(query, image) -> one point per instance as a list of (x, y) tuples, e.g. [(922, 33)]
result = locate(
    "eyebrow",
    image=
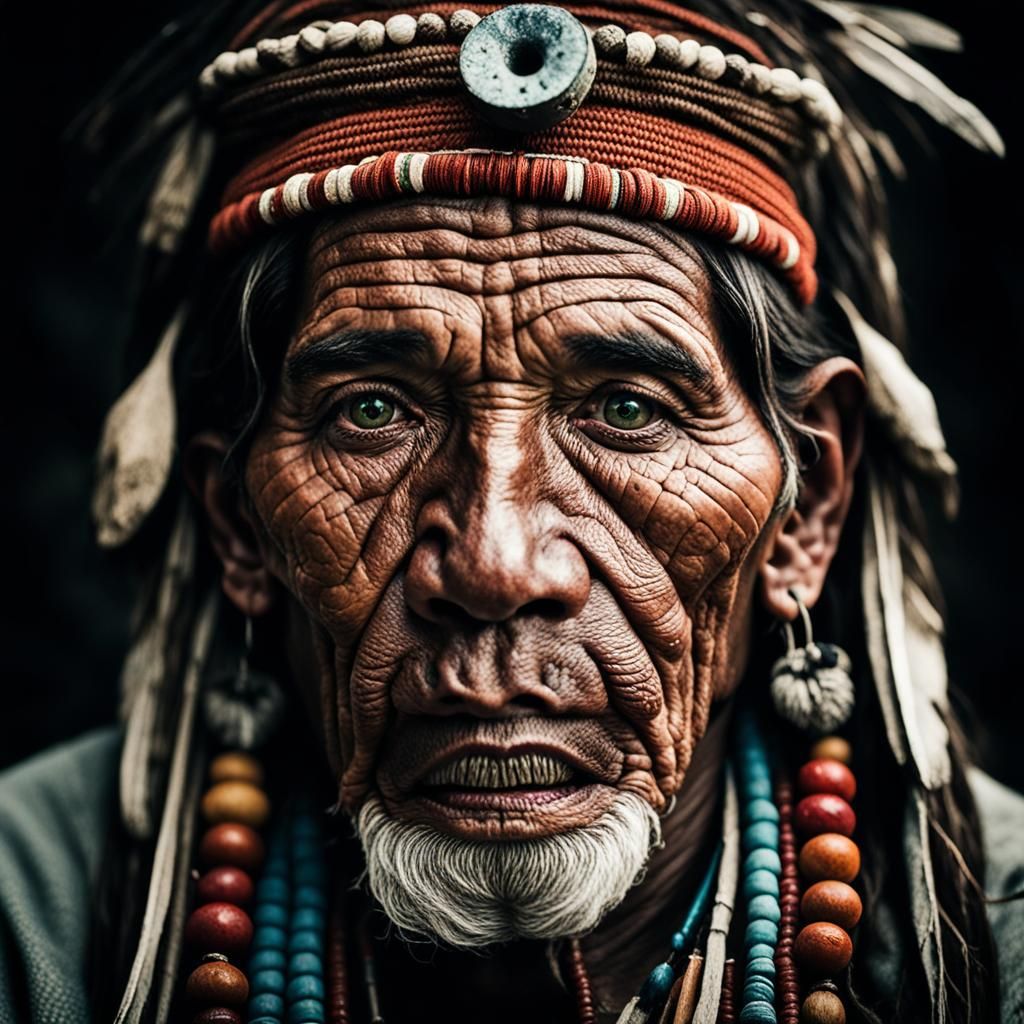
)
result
[(637, 350), (352, 350)]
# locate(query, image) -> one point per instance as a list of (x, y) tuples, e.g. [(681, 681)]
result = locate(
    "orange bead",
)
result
[(829, 856), (832, 901), (232, 844), (833, 747), (827, 775), (236, 801), (219, 928), (823, 1008), (822, 948), (236, 766), (225, 885), (218, 983), (824, 812)]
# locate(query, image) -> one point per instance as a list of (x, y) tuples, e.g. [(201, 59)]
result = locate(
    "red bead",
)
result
[(832, 901), (218, 983), (825, 775), (219, 928), (225, 885), (232, 844), (823, 948), (217, 1015), (829, 856), (824, 812)]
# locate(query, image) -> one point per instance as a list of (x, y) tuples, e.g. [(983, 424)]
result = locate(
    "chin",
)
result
[(465, 888)]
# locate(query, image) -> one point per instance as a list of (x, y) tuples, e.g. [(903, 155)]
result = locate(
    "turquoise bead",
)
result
[(268, 960), (657, 985), (764, 908), (272, 914), (760, 883), (305, 963), (761, 833), (305, 941), (758, 789), (762, 966), (759, 951), (267, 1004), (264, 1020), (304, 827), (309, 896), (760, 810), (272, 890), (762, 931), (261, 982), (758, 988), (678, 941), (306, 1011), (758, 1012), (309, 873), (276, 869), (307, 986), (763, 859), (269, 937), (308, 917)]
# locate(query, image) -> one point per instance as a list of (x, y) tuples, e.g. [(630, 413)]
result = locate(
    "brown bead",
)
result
[(234, 844), (236, 766), (219, 983), (832, 901), (824, 812), (833, 747), (823, 1008), (225, 885), (822, 948), (827, 775), (829, 856), (217, 1015), (236, 801), (220, 928)]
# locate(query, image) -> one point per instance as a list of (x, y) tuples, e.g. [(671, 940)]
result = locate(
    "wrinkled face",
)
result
[(516, 493)]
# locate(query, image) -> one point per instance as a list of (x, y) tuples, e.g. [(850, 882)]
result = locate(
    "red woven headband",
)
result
[(684, 122)]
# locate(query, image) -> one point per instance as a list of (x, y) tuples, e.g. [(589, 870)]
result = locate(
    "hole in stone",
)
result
[(526, 57)]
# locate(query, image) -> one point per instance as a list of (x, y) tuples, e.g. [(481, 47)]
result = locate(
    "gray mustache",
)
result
[(480, 771)]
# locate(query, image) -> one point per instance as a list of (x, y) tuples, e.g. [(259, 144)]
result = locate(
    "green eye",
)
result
[(370, 411), (627, 410)]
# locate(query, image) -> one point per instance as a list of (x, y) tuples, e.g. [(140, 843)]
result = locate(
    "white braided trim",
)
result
[(637, 49)]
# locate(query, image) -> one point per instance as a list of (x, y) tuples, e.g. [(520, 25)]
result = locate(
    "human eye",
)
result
[(626, 417), (368, 413)]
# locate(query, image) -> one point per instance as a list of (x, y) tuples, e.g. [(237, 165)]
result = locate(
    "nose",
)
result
[(492, 548)]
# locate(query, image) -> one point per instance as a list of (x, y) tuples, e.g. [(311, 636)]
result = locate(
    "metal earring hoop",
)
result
[(811, 686), (243, 709)]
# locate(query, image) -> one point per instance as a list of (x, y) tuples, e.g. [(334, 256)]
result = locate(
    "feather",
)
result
[(904, 406), (137, 446), (913, 28), (144, 682), (168, 846), (721, 915)]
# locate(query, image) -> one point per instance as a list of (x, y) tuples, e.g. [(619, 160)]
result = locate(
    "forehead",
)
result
[(525, 278)]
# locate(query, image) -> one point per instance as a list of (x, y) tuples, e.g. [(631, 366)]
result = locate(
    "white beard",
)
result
[(472, 893)]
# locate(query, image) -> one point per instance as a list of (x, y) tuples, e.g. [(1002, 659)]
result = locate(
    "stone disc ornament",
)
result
[(528, 66)]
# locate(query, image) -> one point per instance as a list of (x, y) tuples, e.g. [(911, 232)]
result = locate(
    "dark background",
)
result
[(958, 238)]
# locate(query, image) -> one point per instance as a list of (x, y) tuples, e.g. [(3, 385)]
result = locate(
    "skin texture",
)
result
[(500, 568)]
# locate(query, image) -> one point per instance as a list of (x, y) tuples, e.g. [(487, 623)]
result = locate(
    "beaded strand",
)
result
[(787, 984)]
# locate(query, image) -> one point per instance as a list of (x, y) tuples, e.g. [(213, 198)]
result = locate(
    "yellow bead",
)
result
[(236, 766), (823, 1008), (239, 802), (833, 747)]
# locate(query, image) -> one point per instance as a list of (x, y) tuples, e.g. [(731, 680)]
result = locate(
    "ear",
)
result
[(246, 579), (804, 540)]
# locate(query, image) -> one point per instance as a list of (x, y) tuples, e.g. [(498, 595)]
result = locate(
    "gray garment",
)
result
[(55, 810)]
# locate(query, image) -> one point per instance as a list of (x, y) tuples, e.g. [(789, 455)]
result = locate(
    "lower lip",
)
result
[(503, 799)]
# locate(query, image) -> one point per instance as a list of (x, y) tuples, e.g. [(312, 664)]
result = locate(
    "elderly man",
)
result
[(520, 442)]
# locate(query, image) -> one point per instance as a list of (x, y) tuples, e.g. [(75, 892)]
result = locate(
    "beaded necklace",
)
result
[(293, 945)]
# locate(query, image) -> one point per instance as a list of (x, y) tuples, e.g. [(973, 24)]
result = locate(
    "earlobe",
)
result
[(799, 552), (245, 577)]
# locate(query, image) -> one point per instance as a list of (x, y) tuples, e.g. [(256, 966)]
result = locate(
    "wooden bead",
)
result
[(833, 747), (832, 901), (823, 948), (225, 885), (219, 983), (824, 812), (827, 775), (217, 1015), (236, 766), (829, 856), (219, 928), (236, 801), (234, 844), (823, 1008)]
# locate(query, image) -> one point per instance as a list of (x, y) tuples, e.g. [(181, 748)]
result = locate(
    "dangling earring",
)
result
[(811, 685), (242, 710)]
